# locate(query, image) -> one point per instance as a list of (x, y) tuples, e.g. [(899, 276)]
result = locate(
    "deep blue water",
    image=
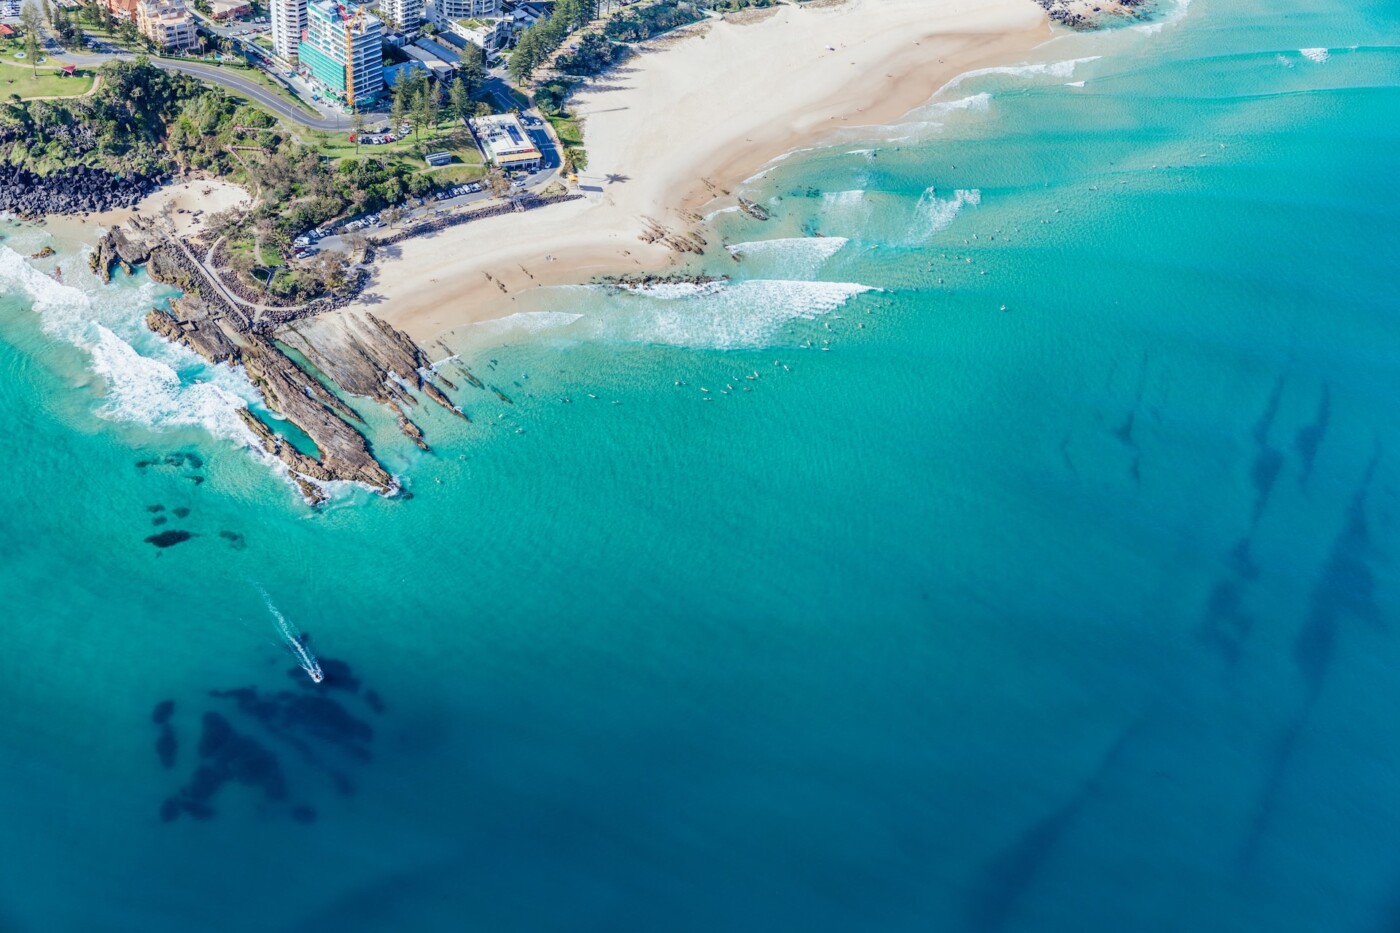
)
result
[(1079, 615)]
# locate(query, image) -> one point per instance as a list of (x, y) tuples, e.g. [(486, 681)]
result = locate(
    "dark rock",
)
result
[(152, 508), (303, 814), (68, 191), (159, 520), (234, 539), (374, 702), (181, 512), (162, 712)]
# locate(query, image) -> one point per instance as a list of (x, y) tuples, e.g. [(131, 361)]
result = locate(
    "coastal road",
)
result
[(231, 80)]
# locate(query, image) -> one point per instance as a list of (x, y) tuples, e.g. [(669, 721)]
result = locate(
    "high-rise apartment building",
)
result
[(344, 51), (403, 15), (288, 24)]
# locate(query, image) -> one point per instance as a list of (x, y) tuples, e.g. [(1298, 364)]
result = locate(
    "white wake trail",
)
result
[(295, 640)]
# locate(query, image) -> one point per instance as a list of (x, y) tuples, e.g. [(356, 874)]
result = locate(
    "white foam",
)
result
[(294, 640), (796, 256), (148, 391), (1177, 12), (934, 214), (1063, 69), (718, 316), (160, 386), (1074, 84), (842, 198), (529, 322), (1315, 55)]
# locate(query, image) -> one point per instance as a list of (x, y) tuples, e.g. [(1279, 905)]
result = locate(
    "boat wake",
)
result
[(295, 641)]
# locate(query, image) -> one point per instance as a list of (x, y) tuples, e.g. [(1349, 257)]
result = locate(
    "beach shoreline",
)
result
[(667, 141)]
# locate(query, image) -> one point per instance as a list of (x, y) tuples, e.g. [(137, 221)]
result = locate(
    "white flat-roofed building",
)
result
[(503, 141)]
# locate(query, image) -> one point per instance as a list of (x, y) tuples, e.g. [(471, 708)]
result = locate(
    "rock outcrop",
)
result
[(362, 356), (74, 190), (1092, 14)]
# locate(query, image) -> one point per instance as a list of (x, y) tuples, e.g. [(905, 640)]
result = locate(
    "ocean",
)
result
[(1008, 544)]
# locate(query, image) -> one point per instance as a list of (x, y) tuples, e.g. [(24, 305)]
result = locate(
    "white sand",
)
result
[(714, 106), (189, 203)]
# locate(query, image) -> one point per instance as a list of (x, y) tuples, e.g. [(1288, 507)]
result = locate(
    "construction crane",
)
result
[(353, 22)]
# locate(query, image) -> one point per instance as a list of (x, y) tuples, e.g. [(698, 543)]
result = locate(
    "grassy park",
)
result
[(19, 77)]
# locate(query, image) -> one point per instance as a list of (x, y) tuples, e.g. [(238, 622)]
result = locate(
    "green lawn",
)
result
[(451, 137), (19, 78), (567, 128), (455, 174)]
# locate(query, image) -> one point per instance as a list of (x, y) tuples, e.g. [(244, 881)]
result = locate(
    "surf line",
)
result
[(295, 640)]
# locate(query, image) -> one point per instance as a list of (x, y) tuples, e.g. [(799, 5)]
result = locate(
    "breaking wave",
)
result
[(1064, 69), (796, 256), (1315, 55), (934, 214), (720, 316), (159, 386), (712, 316)]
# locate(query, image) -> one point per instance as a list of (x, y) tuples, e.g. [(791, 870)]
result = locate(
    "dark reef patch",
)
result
[(243, 745), (169, 538), (234, 539), (181, 512)]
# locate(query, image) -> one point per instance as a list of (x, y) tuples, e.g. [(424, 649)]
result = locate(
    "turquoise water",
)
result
[(1077, 615)]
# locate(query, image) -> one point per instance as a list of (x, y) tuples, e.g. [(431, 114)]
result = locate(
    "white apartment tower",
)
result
[(404, 15), (288, 24), (450, 11)]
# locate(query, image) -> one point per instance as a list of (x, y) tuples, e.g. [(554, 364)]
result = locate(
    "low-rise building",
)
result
[(393, 74), (439, 50), (229, 9), (490, 34), (440, 69), (504, 142), (168, 24), (122, 9)]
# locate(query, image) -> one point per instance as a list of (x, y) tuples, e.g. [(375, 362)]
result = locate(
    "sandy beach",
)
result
[(677, 127), (189, 203)]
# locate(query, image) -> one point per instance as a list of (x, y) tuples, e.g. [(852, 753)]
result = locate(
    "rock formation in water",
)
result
[(360, 355)]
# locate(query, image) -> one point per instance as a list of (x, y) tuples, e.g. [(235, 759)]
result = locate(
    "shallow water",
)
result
[(1077, 615)]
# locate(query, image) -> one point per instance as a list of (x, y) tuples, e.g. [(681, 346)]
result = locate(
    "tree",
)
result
[(398, 110), (432, 109), (391, 215), (357, 128), (459, 98), (31, 18), (473, 68)]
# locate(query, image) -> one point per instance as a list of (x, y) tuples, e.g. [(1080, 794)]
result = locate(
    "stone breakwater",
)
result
[(360, 355), (74, 190)]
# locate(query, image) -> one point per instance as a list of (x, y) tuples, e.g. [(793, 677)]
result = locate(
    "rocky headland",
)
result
[(360, 355)]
